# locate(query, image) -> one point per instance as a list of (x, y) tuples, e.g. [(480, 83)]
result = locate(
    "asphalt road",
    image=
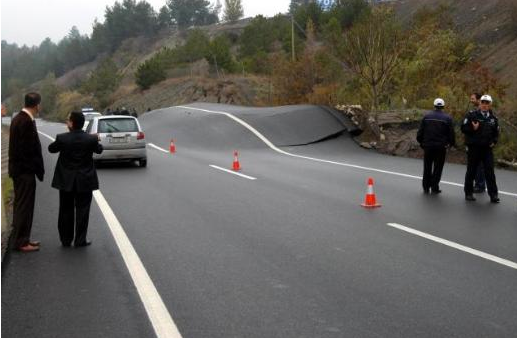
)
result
[(289, 254)]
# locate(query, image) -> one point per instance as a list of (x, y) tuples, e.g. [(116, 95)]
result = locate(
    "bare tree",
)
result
[(371, 50)]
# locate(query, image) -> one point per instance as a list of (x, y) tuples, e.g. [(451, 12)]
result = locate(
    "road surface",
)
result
[(283, 251)]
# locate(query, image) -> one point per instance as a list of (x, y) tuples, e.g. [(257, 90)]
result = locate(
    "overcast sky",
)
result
[(31, 21)]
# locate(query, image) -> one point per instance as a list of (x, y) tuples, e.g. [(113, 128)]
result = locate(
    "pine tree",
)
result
[(233, 10)]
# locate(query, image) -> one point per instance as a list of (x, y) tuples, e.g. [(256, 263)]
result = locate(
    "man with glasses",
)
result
[(481, 129)]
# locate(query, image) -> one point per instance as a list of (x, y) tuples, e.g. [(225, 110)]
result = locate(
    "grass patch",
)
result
[(7, 191)]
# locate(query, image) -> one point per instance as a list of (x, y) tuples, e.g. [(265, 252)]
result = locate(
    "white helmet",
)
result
[(486, 98), (439, 103)]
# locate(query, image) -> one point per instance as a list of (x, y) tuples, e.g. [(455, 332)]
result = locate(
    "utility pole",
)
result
[(292, 37)]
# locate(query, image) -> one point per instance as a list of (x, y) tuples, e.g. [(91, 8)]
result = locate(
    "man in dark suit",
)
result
[(75, 177), (25, 163)]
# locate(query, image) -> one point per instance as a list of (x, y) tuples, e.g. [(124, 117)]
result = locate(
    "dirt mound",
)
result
[(248, 91)]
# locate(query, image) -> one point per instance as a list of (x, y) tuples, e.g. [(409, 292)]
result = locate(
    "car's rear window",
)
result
[(117, 126)]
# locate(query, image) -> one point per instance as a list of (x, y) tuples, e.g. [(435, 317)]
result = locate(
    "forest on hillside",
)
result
[(352, 52)]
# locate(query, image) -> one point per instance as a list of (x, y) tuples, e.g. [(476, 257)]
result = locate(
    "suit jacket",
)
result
[(25, 148), (75, 170)]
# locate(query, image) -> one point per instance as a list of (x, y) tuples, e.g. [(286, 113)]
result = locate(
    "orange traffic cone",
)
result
[(236, 163), (172, 147), (370, 200)]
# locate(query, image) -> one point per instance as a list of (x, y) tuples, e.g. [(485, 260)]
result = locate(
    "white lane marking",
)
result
[(275, 148), (47, 136), (211, 165), (232, 172), (161, 319), (152, 145), (455, 245)]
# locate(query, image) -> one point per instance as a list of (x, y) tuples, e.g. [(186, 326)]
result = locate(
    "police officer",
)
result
[(435, 135), (481, 129), (479, 181)]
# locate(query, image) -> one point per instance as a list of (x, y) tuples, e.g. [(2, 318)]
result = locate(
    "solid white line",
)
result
[(47, 136), (457, 246), (161, 320), (233, 172), (278, 150), (152, 145)]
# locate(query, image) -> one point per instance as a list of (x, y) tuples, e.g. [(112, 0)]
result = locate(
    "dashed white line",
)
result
[(233, 172), (210, 165), (278, 150), (161, 319), (455, 245)]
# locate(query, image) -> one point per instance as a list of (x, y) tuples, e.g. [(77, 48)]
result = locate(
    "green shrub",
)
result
[(150, 72)]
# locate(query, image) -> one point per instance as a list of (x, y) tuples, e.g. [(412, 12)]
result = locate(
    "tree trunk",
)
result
[(375, 99)]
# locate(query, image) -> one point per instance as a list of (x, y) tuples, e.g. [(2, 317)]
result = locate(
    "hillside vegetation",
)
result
[(387, 57)]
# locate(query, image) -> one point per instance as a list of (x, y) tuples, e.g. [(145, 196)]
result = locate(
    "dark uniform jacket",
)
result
[(436, 130), (487, 133), (25, 148), (75, 170)]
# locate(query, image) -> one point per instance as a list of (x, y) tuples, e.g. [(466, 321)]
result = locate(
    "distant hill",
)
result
[(489, 24)]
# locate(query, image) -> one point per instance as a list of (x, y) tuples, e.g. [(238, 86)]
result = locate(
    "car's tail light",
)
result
[(140, 136)]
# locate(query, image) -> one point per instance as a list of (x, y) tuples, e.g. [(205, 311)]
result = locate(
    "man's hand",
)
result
[(475, 125)]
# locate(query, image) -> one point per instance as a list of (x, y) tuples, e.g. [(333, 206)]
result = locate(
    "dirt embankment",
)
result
[(247, 91), (394, 133)]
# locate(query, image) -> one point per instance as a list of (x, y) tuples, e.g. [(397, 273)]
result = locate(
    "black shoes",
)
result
[(436, 191), (80, 245), (493, 199)]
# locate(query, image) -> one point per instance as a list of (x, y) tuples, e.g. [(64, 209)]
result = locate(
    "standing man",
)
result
[(481, 129), (479, 181), (435, 135), (25, 164), (75, 177)]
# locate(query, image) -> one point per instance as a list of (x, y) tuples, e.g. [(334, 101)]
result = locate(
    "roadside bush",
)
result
[(219, 54), (150, 72), (69, 101), (507, 147), (195, 47)]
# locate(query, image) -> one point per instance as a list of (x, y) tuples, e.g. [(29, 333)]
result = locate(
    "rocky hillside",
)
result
[(247, 91)]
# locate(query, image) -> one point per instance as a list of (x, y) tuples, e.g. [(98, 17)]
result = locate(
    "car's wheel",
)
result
[(143, 163)]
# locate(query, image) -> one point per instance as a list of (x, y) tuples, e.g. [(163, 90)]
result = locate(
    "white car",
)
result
[(121, 137), (88, 117)]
